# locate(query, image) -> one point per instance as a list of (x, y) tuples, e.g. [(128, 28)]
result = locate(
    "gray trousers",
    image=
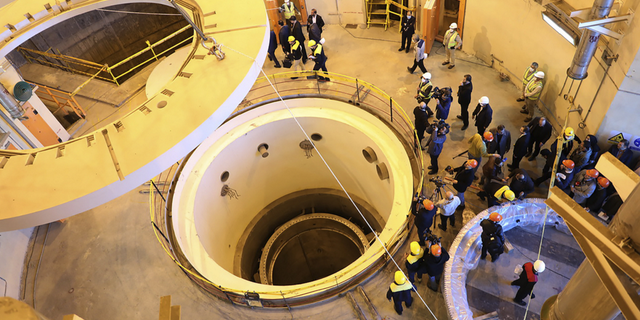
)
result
[(451, 56), (531, 106)]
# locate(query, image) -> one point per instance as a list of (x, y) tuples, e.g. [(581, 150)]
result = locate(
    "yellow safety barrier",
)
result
[(103, 72), (358, 92), (60, 98)]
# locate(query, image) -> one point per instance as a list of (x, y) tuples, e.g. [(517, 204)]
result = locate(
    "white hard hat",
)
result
[(453, 26), (539, 266), (539, 74), (484, 100), (426, 75)]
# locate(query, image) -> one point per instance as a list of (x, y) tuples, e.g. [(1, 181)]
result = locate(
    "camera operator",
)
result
[(463, 178), (443, 99), (434, 264), (424, 218), (425, 91), (438, 132)]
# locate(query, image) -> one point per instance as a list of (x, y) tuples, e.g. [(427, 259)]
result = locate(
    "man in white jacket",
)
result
[(418, 59), (447, 208)]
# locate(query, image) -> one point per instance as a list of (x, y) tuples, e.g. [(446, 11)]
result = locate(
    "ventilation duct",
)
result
[(9, 102)]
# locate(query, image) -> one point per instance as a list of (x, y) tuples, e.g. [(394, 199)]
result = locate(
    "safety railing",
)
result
[(102, 71), (357, 92), (63, 100)]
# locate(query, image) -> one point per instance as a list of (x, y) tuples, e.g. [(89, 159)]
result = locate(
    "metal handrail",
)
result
[(57, 95), (380, 104)]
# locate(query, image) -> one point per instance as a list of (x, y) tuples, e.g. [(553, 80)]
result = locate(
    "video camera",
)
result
[(437, 93), (440, 124), (438, 181), (433, 239)]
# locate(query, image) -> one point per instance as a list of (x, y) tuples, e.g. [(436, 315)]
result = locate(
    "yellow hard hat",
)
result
[(509, 195), (399, 278), (568, 133), (415, 248), (292, 38), (312, 43)]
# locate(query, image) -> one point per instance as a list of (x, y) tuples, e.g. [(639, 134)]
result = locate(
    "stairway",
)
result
[(378, 13)]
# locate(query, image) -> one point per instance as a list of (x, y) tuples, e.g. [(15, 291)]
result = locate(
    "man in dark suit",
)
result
[(622, 152), (464, 99), (483, 115), (520, 148), (540, 131), (285, 32), (314, 18), (501, 143), (408, 29), (273, 45), (296, 32)]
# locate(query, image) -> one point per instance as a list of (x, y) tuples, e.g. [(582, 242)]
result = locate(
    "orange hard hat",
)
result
[(488, 136), (568, 164), (428, 204), (593, 173), (436, 250), (495, 217), (472, 162), (603, 182)]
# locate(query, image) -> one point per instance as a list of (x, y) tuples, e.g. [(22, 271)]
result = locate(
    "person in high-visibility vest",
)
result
[(451, 42), (318, 56), (532, 94), (526, 77), (425, 91), (288, 9), (295, 55), (400, 291)]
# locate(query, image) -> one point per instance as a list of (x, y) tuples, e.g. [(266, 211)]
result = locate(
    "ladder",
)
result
[(378, 13)]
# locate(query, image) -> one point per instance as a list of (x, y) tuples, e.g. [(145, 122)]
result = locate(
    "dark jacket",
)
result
[(501, 147), (491, 169), (517, 186), (566, 182), (442, 108), (489, 229), (464, 93), (319, 58), (520, 147), (595, 202), (624, 156), (273, 42), (492, 188), (285, 32), (434, 266), (319, 22), (528, 278), (464, 178), (296, 54), (436, 141), (595, 151), (483, 115), (315, 33), (297, 33), (538, 133), (408, 25), (424, 217), (421, 119)]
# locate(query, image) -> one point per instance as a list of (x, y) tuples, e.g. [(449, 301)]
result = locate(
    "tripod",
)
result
[(439, 192)]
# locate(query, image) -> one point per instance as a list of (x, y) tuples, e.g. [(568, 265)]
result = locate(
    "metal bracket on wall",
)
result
[(598, 24)]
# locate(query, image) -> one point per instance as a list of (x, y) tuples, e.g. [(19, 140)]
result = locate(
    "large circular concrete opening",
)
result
[(280, 223)]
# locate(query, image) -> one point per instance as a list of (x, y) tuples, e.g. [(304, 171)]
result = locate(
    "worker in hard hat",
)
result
[(420, 55), (288, 10), (434, 265), (595, 202), (564, 175), (296, 55), (414, 261), (496, 192), (520, 183), (425, 91), (408, 24), (567, 138), (540, 130), (532, 94), (464, 99), (463, 179), (435, 143), (424, 219), (478, 146), (526, 77), (583, 185), (317, 55), (492, 237), (451, 42), (483, 114), (296, 31), (528, 279), (447, 208), (400, 291)]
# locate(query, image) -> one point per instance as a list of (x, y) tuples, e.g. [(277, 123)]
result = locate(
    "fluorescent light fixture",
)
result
[(561, 28)]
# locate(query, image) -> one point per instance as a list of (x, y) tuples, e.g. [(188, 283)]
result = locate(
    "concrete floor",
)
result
[(106, 263)]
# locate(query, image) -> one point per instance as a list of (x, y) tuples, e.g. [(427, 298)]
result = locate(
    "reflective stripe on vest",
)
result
[(413, 259), (424, 86), (295, 45), (452, 39), (318, 50), (533, 84), (498, 194), (288, 10), (527, 76), (400, 287)]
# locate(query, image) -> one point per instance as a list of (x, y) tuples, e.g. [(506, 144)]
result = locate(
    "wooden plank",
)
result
[(165, 308), (71, 317), (175, 313)]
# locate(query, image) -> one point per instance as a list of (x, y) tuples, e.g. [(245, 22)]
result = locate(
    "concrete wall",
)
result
[(13, 248), (515, 33), (339, 11)]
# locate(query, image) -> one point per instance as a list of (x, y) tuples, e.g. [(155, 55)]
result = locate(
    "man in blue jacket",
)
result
[(273, 45), (436, 142)]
